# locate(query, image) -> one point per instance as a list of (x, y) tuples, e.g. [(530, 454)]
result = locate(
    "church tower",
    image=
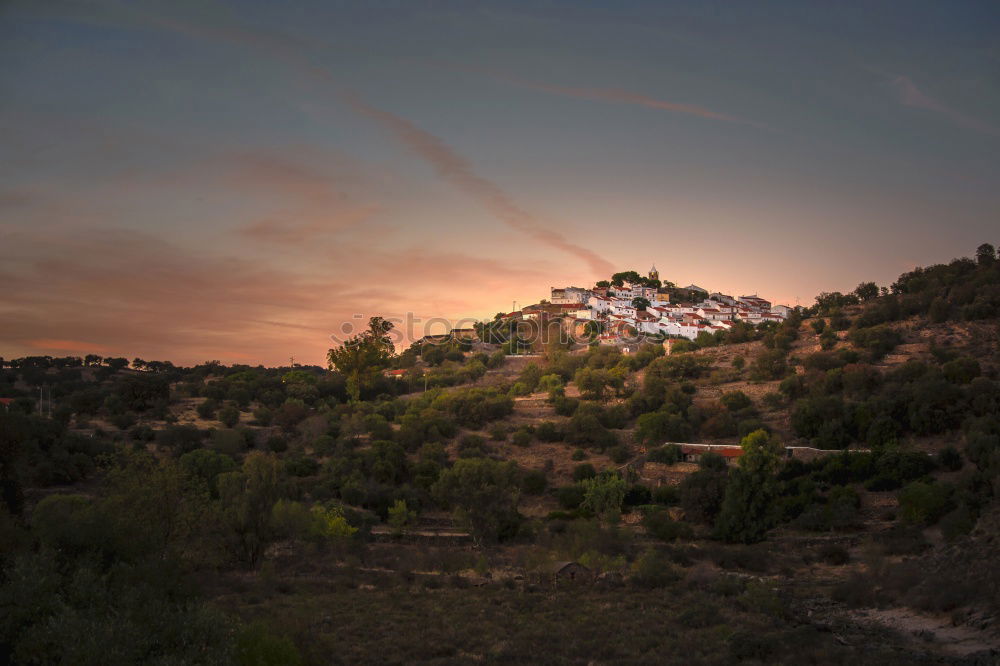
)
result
[(653, 273)]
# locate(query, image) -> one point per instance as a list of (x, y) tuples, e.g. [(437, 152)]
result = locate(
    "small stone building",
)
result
[(572, 572)]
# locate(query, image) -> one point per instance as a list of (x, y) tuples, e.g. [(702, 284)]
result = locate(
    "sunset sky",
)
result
[(235, 180)]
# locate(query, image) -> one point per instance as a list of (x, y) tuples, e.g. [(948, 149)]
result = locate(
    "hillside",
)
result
[(475, 505)]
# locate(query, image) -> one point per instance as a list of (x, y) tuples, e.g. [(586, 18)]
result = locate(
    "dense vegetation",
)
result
[(153, 513)]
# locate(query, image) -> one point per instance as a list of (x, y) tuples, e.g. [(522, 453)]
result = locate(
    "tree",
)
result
[(640, 303), (747, 508), (592, 382), (986, 254), (866, 291), (363, 355), (247, 497), (229, 416), (604, 494), (655, 427), (401, 517), (770, 364), (116, 363), (701, 493), (484, 494), (925, 503)]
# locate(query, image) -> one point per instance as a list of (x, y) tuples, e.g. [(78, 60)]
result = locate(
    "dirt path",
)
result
[(934, 632)]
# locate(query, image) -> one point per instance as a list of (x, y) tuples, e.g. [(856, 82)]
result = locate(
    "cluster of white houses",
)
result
[(621, 316)]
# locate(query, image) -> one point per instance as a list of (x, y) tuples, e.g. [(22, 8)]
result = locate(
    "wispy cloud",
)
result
[(313, 206), (910, 95), (613, 95), (446, 162), (455, 169), (71, 289)]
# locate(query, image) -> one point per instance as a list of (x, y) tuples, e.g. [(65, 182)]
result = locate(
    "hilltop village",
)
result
[(629, 308)]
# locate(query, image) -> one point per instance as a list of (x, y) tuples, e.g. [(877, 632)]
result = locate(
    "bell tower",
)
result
[(653, 273)]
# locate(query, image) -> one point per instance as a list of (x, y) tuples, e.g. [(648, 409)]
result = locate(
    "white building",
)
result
[(569, 295), (782, 311), (599, 304)]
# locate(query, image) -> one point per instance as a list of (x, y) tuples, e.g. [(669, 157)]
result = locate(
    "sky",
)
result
[(251, 181)]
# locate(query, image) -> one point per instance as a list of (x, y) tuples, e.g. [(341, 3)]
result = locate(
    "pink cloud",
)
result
[(127, 293), (614, 95), (911, 96), (69, 346), (448, 164)]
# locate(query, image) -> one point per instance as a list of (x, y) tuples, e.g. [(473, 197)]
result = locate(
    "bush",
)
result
[(653, 569), (256, 646), (534, 482), (734, 401), (746, 645), (263, 415), (547, 431), (229, 416), (570, 497), (277, 443), (668, 454), (923, 503), (522, 438), (769, 365), (206, 409), (564, 406), (903, 540), (961, 370), (877, 340), (666, 495), (660, 525), (620, 454), (579, 454), (701, 494), (699, 615), (834, 554), (950, 459), (584, 471), (957, 523)]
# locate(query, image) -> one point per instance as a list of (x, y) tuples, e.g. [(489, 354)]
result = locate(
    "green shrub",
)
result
[(547, 431), (666, 495), (950, 459), (668, 454), (923, 503), (229, 416), (660, 525), (570, 497), (534, 482), (522, 438), (620, 454), (834, 554), (653, 569), (206, 409), (277, 443), (256, 646)]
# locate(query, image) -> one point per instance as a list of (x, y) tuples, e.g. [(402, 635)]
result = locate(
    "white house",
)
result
[(599, 304), (569, 295), (782, 311), (755, 302), (713, 314)]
